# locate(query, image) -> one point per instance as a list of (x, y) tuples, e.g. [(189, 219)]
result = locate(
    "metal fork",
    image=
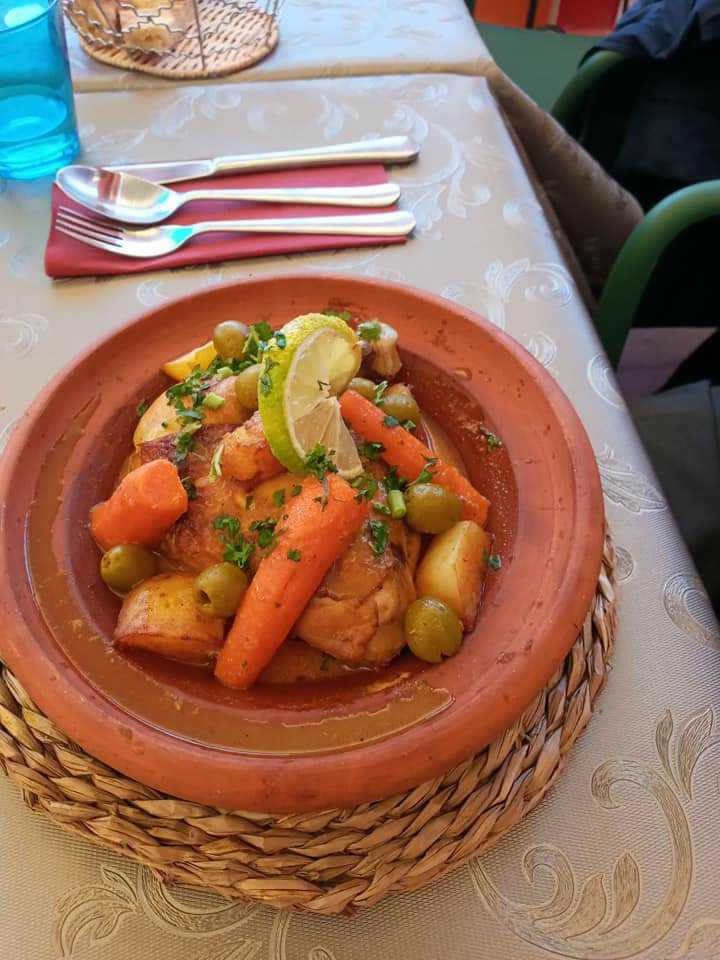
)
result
[(157, 241)]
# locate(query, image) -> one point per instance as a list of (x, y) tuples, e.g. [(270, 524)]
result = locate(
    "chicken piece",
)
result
[(160, 418), (356, 612), (247, 455), (192, 543)]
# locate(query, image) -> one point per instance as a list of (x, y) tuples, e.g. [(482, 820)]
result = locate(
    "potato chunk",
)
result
[(453, 569), (160, 615)]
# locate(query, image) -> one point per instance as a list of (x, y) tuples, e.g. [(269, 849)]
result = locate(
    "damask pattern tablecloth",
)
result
[(334, 38), (620, 859)]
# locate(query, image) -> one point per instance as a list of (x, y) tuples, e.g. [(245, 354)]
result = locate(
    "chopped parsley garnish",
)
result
[(278, 498), (190, 414), (238, 550), (391, 480), (378, 536), (391, 421), (366, 487), (381, 508), (281, 340), (341, 314), (371, 451), (493, 560), (407, 424), (142, 407), (185, 441), (190, 488), (318, 463), (296, 490), (265, 379), (265, 530), (257, 342), (425, 475), (380, 392), (370, 330), (294, 555), (224, 367)]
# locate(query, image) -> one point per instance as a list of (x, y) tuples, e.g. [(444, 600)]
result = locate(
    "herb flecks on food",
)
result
[(380, 389), (265, 378), (366, 487), (185, 441), (238, 550), (265, 530), (190, 488), (258, 341), (425, 475), (493, 560), (392, 481), (278, 498), (281, 340), (382, 508), (318, 462), (371, 451), (142, 407), (369, 330), (391, 422), (296, 490), (378, 536), (294, 555)]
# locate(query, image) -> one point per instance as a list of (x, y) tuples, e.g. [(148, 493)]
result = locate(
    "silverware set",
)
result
[(137, 197)]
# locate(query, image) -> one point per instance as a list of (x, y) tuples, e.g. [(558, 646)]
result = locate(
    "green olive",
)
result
[(400, 405), (217, 591), (124, 566), (229, 339), (246, 386), (432, 629), (431, 508), (366, 388)]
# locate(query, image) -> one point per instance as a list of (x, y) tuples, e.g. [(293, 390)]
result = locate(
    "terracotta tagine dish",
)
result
[(317, 603)]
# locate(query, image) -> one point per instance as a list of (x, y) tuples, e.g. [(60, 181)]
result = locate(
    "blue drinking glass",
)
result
[(38, 132)]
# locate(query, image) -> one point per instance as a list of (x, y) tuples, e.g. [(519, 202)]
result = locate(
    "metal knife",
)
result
[(382, 150)]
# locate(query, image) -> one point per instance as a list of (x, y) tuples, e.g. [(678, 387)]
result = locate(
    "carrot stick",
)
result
[(145, 504), (313, 537), (409, 455)]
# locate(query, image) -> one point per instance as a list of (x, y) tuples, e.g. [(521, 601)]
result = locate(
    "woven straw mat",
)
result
[(332, 862)]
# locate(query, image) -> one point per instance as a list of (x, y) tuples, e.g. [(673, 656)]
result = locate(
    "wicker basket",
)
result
[(335, 861), (177, 39)]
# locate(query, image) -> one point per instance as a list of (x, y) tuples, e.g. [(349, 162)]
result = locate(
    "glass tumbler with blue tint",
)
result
[(38, 133)]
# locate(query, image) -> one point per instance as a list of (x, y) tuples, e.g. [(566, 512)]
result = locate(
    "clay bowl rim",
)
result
[(76, 706)]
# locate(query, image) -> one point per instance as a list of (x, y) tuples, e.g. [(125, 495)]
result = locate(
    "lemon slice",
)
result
[(298, 387), (181, 367)]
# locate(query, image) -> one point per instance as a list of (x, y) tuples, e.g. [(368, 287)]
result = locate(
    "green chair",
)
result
[(663, 224)]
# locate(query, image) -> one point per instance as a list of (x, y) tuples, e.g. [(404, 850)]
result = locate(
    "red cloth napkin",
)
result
[(65, 257)]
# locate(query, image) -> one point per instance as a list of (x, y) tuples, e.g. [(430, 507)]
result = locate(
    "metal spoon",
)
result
[(122, 196)]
